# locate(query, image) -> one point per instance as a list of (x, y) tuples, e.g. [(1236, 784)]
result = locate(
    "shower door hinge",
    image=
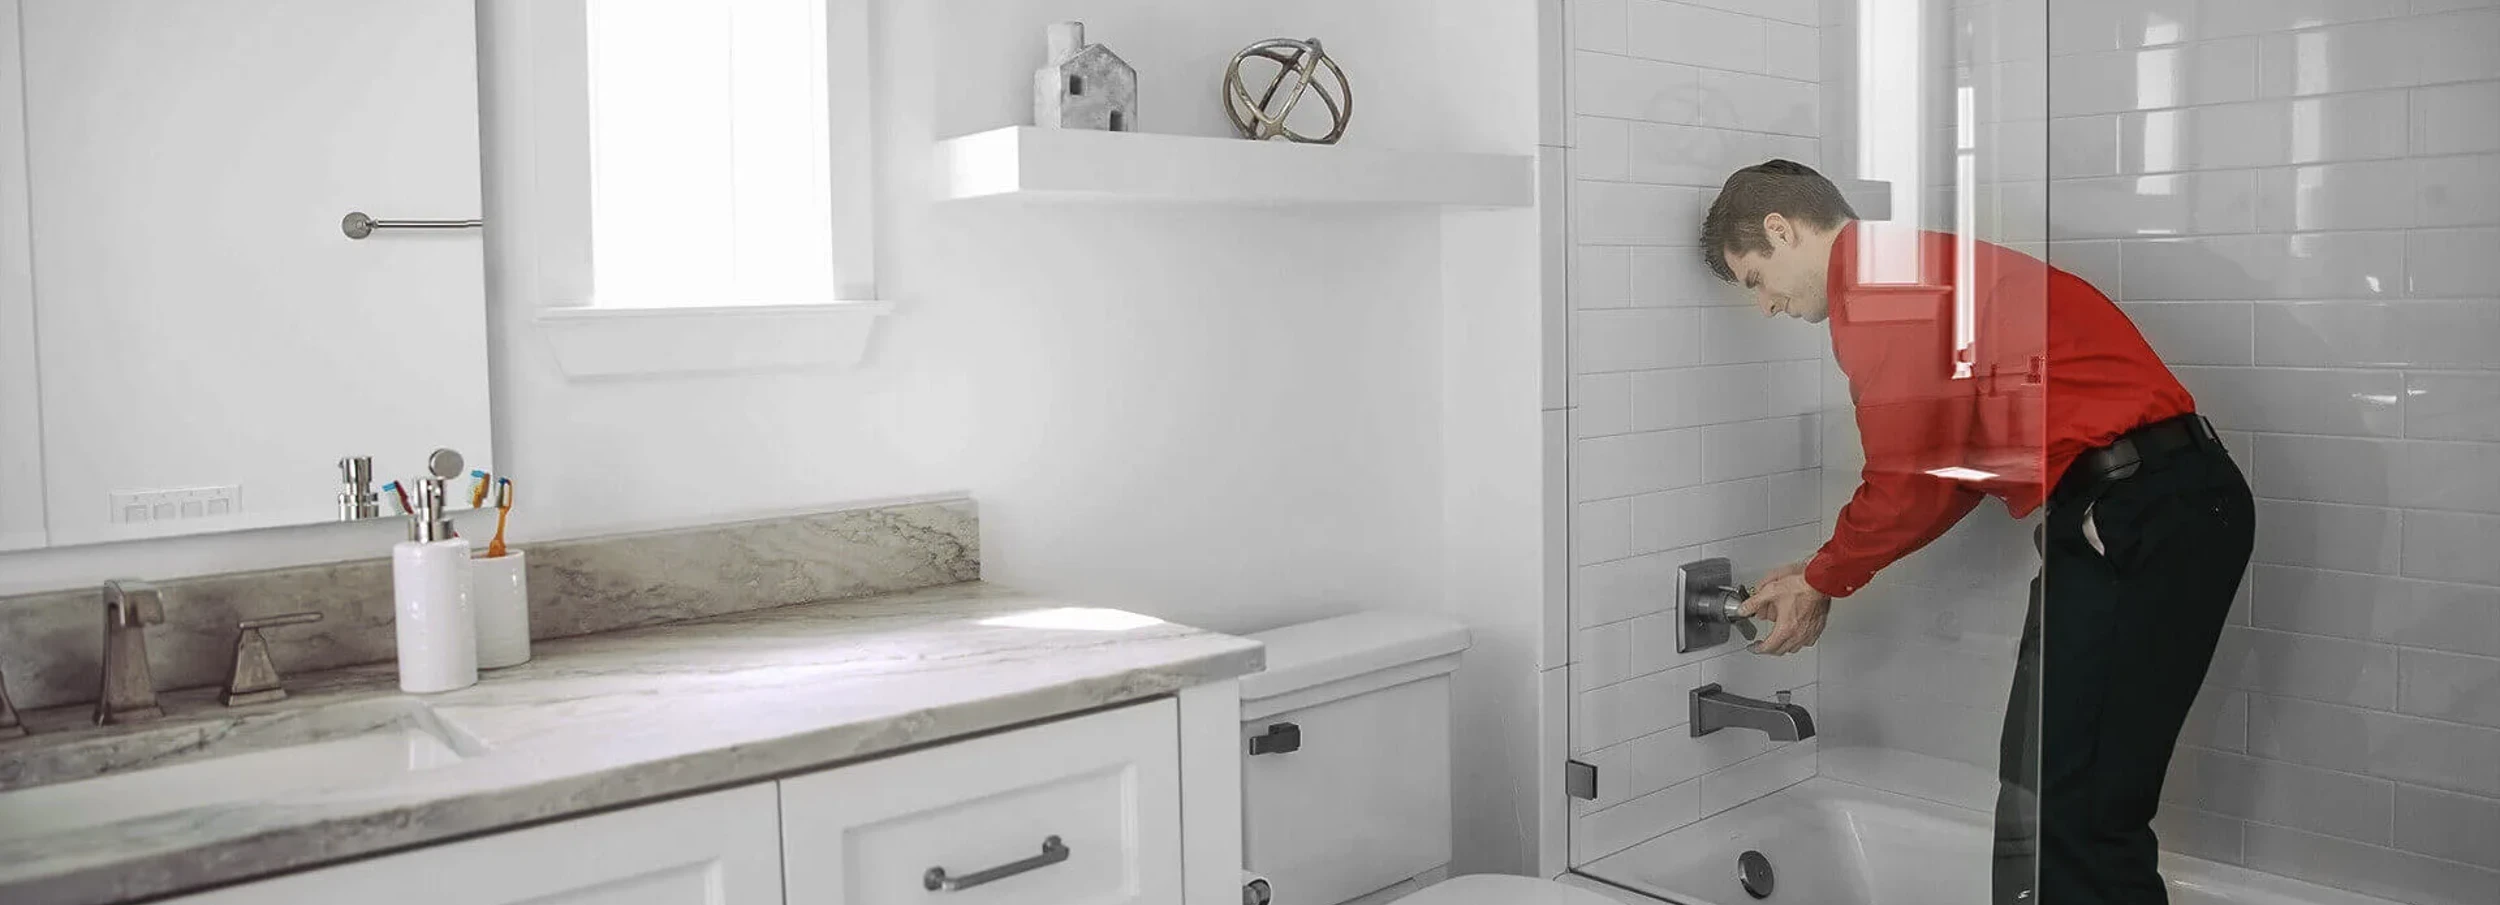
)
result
[(1580, 780)]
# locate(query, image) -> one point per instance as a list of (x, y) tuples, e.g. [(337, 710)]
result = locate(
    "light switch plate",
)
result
[(133, 507)]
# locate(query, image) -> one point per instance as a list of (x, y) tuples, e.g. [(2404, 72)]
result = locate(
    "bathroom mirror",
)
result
[(238, 242)]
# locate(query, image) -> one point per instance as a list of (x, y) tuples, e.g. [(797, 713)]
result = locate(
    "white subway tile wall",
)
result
[(2303, 198), (2361, 867), (2350, 806), (2200, 835), (1696, 425)]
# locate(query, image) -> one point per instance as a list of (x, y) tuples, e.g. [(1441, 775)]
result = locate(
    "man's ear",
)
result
[(1776, 228)]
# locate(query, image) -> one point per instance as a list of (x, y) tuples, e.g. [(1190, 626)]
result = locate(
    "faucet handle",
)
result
[(254, 678), (128, 692)]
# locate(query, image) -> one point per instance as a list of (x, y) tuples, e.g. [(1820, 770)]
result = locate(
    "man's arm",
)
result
[(1896, 510), (1911, 417), (1891, 516)]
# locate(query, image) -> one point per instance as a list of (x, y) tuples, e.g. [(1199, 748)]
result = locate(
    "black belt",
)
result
[(2098, 468)]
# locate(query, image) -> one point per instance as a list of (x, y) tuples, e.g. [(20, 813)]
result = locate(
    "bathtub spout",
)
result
[(1715, 709)]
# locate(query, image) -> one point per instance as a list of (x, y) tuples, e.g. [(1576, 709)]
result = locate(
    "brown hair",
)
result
[(1783, 187)]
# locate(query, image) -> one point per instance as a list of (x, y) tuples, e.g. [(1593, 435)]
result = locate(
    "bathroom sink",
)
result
[(113, 775)]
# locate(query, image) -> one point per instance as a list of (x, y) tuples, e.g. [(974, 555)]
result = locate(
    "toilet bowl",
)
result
[(1346, 769)]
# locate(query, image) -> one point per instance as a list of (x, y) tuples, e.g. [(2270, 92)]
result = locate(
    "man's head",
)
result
[(1771, 232)]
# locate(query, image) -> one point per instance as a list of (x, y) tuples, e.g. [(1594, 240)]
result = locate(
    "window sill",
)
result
[(603, 343)]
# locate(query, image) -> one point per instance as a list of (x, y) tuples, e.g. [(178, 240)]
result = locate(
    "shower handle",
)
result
[(1726, 604), (1712, 603)]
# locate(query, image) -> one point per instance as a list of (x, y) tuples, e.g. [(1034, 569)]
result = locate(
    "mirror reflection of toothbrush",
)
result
[(478, 482), (401, 494)]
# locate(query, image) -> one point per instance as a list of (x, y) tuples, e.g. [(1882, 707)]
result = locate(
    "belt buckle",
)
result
[(2125, 460)]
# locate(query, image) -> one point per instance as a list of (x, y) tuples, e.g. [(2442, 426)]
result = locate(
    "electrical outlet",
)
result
[(131, 507)]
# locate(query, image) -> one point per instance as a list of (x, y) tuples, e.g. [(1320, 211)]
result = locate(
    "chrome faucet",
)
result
[(1715, 709), (129, 689)]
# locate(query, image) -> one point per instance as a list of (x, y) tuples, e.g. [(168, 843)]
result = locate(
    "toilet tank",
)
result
[(1363, 801)]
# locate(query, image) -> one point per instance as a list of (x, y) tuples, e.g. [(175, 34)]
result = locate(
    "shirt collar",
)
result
[(1841, 272)]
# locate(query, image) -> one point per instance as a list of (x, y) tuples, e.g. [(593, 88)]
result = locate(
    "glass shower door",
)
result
[(1703, 432)]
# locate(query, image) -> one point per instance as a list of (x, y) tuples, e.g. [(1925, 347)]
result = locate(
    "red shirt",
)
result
[(2045, 369)]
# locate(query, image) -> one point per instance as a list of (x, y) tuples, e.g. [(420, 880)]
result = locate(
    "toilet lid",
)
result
[(1497, 889)]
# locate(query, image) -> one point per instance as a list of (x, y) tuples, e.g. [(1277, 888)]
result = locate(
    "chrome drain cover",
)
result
[(1753, 871)]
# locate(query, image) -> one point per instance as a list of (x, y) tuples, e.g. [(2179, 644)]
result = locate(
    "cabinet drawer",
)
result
[(1106, 786), (712, 849)]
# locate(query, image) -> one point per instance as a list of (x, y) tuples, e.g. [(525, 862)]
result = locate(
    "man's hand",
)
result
[(1795, 608)]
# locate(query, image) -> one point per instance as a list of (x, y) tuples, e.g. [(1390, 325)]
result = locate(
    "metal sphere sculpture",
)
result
[(1302, 68)]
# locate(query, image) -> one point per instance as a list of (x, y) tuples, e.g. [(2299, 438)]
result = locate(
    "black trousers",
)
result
[(2114, 647)]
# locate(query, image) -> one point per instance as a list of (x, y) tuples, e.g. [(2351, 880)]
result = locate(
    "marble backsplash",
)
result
[(50, 641)]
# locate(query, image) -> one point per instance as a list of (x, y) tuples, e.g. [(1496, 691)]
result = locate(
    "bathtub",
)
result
[(1834, 843)]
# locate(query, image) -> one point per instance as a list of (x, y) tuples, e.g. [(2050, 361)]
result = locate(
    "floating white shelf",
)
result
[(1075, 164)]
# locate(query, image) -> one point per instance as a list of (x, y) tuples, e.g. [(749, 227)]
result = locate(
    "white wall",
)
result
[(1242, 418), (1225, 415), (1502, 386), (1694, 422), (21, 432), (2300, 206)]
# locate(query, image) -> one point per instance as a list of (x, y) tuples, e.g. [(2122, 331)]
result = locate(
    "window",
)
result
[(710, 174), (690, 180)]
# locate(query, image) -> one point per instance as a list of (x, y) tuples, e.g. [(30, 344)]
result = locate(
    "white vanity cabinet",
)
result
[(722, 848), (1083, 810)]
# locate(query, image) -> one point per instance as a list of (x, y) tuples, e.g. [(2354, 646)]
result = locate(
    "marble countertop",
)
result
[(604, 720)]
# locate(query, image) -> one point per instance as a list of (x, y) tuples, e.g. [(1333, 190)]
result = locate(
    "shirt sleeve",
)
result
[(1910, 419), (1888, 518)]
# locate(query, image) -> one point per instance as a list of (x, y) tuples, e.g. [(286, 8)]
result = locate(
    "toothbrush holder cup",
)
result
[(503, 609)]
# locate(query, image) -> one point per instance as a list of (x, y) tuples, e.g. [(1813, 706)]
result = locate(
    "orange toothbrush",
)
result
[(503, 513)]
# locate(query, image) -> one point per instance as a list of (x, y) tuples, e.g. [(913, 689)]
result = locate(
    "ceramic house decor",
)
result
[(1083, 86)]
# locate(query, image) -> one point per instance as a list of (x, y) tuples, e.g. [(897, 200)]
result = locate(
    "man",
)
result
[(1978, 371)]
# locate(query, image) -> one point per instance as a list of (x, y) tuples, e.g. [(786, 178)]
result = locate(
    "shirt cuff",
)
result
[(1826, 574)]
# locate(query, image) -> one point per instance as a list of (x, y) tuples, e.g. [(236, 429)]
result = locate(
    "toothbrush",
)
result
[(402, 494), (478, 482), (503, 513)]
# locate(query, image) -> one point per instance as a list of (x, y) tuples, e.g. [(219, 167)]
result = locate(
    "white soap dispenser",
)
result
[(430, 578)]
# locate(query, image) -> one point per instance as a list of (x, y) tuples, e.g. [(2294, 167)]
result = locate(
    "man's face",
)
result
[(1790, 278)]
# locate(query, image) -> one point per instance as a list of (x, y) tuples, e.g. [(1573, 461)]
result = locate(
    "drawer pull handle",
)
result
[(1053, 852)]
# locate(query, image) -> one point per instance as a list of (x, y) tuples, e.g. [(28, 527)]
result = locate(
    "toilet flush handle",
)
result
[(1280, 738)]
